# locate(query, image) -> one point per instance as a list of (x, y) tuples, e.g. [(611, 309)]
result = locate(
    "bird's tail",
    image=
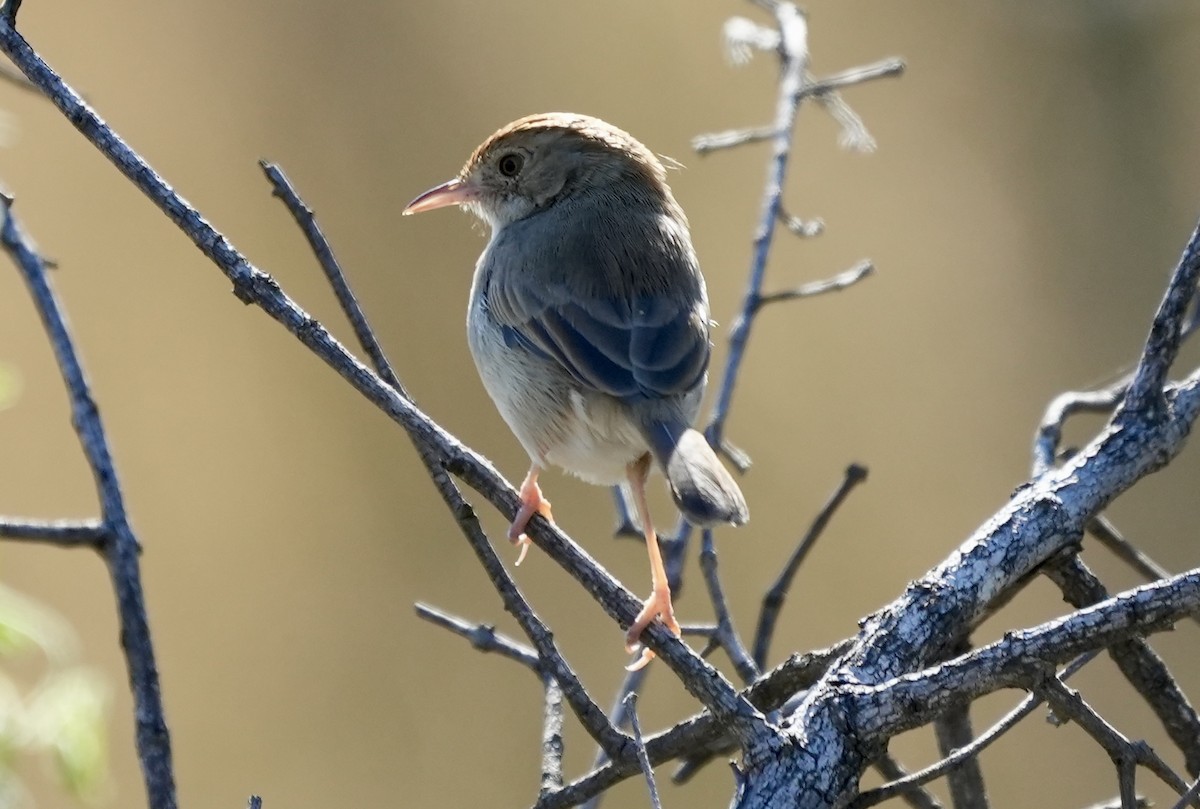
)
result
[(702, 487)]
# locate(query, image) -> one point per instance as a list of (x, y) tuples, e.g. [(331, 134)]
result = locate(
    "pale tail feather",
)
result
[(702, 487)]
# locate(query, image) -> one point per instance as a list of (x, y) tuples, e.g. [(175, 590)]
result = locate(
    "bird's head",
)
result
[(549, 159)]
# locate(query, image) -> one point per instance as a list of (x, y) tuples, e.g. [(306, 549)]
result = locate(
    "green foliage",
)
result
[(60, 718)]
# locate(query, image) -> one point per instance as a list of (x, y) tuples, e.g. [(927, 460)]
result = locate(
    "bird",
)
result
[(588, 322)]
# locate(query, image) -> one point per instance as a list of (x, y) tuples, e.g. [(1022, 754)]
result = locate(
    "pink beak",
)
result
[(452, 192)]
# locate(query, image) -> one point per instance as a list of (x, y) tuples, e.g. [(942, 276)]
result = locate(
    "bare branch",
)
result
[(957, 758), (793, 50), (1103, 529), (307, 222), (1124, 753), (953, 730), (843, 280), (1145, 392), (884, 69), (804, 228), (1189, 798), (1049, 433), (702, 731), (65, 533), (483, 637), (907, 702), (121, 548), (726, 635), (713, 142), (916, 797), (643, 759), (773, 600), (1144, 669)]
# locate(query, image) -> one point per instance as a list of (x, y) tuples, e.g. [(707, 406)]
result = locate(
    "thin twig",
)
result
[(903, 785), (701, 732), (727, 635), (918, 798), (1124, 753), (121, 549), (1049, 432), (1189, 798), (1166, 332), (772, 602), (66, 533), (837, 283), (631, 684), (804, 228), (321, 248), (952, 731), (1102, 528), (1138, 662), (793, 50), (883, 69), (643, 759), (715, 141), (483, 637)]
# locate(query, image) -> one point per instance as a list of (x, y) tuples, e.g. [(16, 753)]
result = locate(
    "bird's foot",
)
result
[(532, 502), (658, 605)]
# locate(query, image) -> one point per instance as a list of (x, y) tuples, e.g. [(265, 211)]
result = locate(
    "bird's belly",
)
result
[(588, 434)]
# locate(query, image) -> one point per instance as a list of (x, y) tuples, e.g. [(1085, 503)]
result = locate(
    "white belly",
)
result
[(588, 434)]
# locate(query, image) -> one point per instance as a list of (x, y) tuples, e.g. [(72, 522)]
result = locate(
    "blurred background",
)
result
[(1035, 181)]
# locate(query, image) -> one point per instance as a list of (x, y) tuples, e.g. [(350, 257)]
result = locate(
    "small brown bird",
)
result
[(588, 321)]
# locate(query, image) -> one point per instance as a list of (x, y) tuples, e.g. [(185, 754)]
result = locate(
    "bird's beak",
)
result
[(452, 192)]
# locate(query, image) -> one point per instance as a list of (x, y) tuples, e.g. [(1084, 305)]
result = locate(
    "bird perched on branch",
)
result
[(588, 321)]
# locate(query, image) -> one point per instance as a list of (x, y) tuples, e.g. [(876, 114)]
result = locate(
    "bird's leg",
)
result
[(532, 503), (658, 605)]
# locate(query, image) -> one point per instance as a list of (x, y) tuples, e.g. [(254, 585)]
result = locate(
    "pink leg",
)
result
[(532, 503), (658, 605)]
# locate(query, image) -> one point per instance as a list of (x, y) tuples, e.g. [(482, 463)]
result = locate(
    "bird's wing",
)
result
[(648, 345)]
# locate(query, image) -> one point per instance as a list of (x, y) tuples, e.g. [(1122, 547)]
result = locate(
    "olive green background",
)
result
[(1036, 179)]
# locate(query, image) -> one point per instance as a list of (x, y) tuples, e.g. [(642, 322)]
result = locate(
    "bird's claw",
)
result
[(658, 605), (532, 502)]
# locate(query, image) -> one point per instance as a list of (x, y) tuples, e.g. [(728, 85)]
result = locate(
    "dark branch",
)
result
[(1124, 753), (643, 759), (916, 797), (1140, 665), (307, 222), (726, 636), (953, 730), (905, 784), (1166, 332), (773, 601), (121, 547), (483, 637), (65, 533)]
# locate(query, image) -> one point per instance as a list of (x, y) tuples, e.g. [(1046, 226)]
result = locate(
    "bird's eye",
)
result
[(510, 164)]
